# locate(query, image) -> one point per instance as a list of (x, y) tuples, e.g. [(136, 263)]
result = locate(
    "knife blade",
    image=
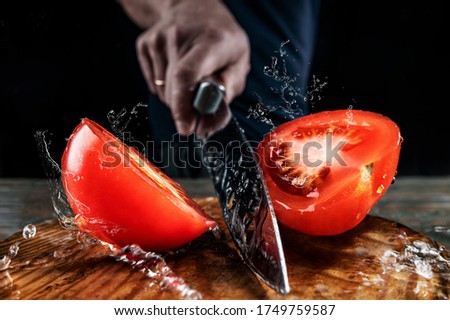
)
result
[(240, 187)]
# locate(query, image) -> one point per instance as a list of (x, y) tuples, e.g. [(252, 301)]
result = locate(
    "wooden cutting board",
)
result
[(379, 259)]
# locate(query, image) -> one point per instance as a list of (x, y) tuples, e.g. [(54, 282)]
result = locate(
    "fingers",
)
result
[(159, 62), (197, 64), (152, 59), (183, 74), (145, 62), (234, 78), (182, 111), (210, 124)]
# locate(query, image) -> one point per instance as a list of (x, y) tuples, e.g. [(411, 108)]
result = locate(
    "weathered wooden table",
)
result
[(379, 259)]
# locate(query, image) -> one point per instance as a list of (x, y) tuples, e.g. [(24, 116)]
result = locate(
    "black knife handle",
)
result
[(209, 97)]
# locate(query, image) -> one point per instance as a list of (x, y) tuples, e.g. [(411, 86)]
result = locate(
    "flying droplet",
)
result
[(29, 231)]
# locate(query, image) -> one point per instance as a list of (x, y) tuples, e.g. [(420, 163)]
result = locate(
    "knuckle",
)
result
[(239, 88), (140, 42), (185, 74), (213, 35), (173, 31), (177, 114), (153, 39), (149, 38)]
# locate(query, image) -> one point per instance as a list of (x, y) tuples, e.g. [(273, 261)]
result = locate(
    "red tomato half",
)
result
[(325, 171), (119, 197)]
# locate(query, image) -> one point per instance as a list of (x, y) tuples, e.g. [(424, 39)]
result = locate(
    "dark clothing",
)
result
[(279, 73)]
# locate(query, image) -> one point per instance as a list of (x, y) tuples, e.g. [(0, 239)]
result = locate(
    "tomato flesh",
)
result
[(121, 198), (326, 171)]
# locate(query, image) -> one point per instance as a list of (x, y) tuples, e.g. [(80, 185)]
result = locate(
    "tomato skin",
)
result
[(344, 197), (121, 198)]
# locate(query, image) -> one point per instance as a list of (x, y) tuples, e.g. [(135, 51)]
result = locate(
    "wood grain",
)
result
[(379, 259)]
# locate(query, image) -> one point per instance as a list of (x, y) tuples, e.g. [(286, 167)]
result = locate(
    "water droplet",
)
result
[(216, 232), (52, 170), (380, 189), (5, 262), (321, 288), (156, 269), (6, 281), (120, 121), (29, 231), (62, 253), (11, 254), (361, 251), (13, 250), (349, 113), (443, 229), (286, 89), (86, 240)]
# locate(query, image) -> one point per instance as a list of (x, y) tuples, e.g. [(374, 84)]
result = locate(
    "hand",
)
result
[(191, 40)]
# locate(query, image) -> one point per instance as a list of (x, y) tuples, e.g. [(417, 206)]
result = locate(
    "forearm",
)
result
[(145, 13)]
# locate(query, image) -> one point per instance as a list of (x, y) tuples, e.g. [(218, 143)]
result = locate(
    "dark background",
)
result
[(61, 61)]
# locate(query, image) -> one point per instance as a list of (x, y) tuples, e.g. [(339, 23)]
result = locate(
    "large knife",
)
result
[(242, 192)]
